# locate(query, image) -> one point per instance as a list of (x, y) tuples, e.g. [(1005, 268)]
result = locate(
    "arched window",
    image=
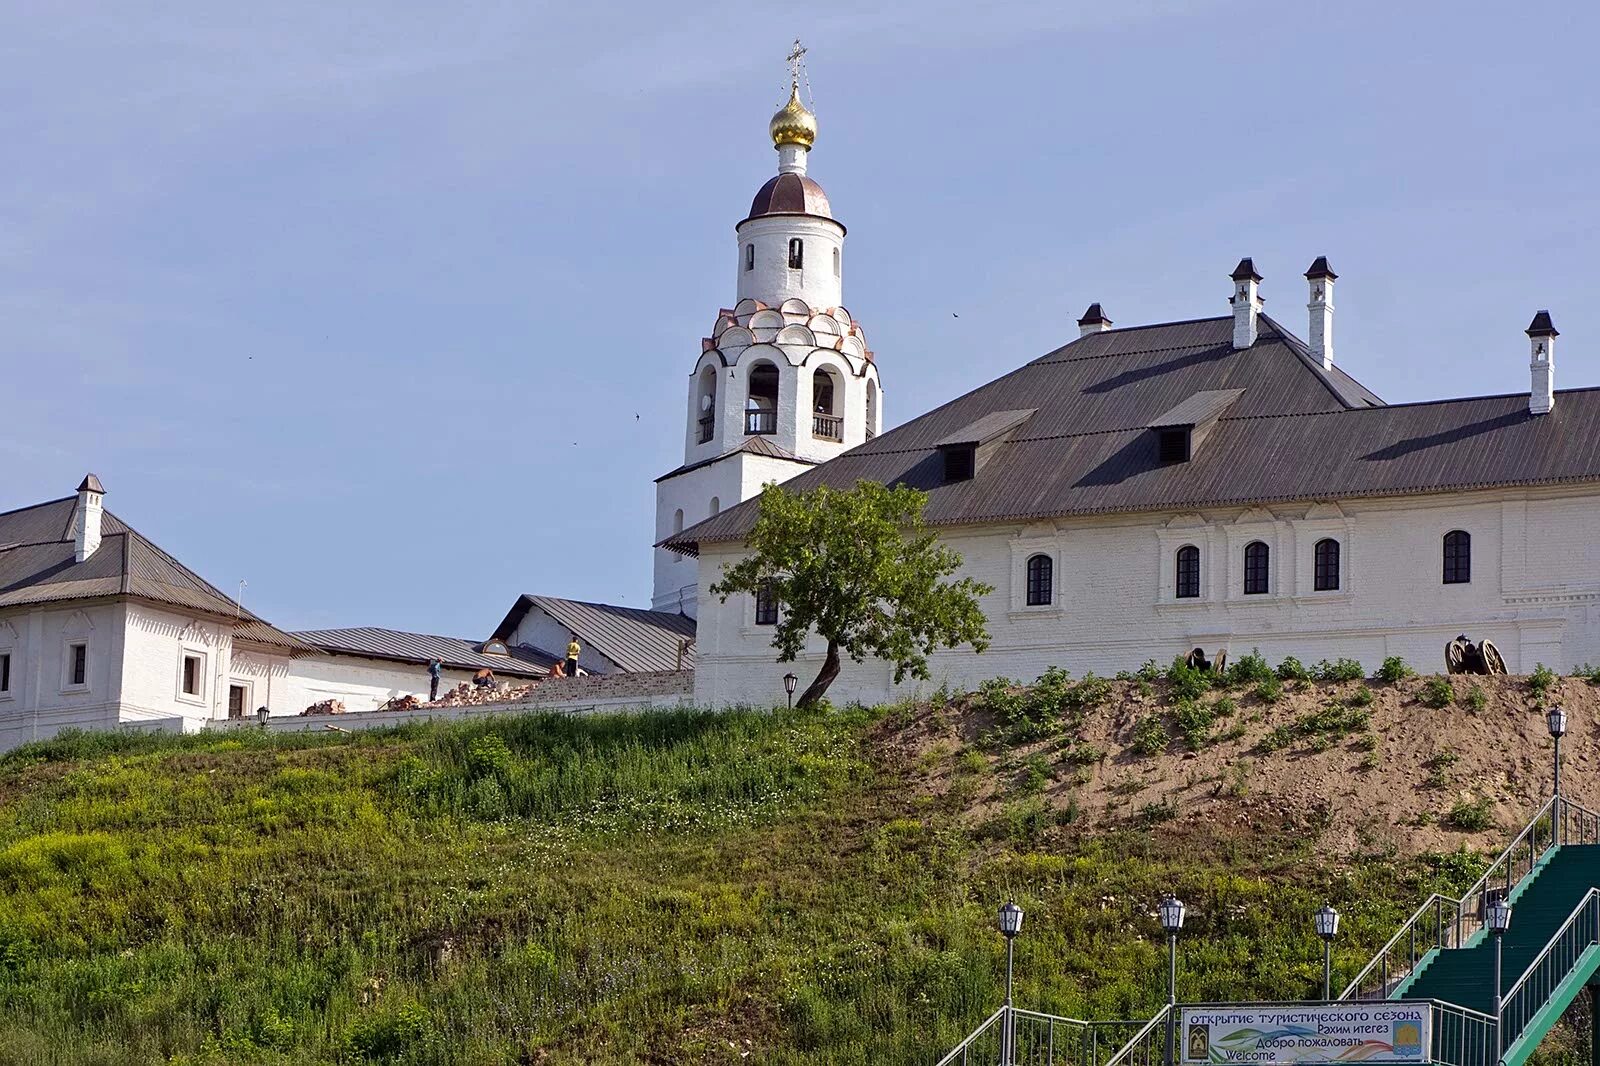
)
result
[(1041, 580), (761, 406), (825, 423), (677, 521), (716, 506), (749, 257), (1255, 568), (1457, 557), (707, 404), (836, 262), (1187, 585), (1325, 562), (766, 605), (797, 252)]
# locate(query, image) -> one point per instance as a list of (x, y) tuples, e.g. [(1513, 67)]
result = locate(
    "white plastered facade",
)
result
[(1534, 590)]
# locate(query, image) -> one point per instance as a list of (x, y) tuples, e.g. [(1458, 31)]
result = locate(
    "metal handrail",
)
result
[(1139, 1037), (1555, 947), (961, 1048), (1465, 908)]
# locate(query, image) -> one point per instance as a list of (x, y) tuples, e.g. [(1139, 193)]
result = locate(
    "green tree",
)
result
[(860, 569)]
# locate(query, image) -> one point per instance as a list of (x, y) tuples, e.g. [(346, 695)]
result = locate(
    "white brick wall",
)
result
[(1535, 591)]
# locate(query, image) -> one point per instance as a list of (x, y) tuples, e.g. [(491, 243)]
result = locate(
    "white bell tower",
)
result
[(785, 381)]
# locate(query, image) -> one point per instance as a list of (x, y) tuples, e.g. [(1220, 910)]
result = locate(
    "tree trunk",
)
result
[(829, 671)]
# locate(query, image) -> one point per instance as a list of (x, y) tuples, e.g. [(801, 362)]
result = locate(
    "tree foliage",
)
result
[(860, 569)]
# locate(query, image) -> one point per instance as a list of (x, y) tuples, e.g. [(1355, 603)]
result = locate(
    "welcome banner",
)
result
[(1377, 1033)]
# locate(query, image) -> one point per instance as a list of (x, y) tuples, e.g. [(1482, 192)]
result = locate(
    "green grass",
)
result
[(675, 887)]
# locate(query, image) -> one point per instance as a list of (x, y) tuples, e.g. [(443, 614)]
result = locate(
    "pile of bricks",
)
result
[(467, 694), (325, 707), (401, 703)]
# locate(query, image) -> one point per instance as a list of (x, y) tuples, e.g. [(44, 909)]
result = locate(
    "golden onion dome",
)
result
[(793, 124)]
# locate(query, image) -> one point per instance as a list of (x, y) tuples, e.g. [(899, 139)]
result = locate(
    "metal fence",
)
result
[(1538, 983), (1037, 1039), (1444, 922)]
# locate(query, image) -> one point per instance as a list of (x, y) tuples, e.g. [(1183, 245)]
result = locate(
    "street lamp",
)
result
[(1172, 912), (789, 682), (1497, 915), (1327, 920), (1010, 925)]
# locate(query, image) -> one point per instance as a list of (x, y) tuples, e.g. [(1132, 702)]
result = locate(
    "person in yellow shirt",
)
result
[(574, 649)]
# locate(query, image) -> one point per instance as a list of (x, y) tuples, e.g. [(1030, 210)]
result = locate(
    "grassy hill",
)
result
[(780, 888)]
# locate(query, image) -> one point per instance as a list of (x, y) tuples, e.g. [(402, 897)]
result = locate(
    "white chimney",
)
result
[(1321, 278), (1542, 342), (86, 519), (1094, 320), (1246, 300)]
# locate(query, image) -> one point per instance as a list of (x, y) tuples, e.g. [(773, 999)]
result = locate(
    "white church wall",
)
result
[(1534, 591), (771, 281), (156, 643), (42, 699), (361, 684)]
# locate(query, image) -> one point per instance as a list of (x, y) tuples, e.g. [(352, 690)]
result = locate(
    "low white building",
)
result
[(1220, 483)]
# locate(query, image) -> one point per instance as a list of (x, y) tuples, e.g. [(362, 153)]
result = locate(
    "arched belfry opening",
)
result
[(761, 406), (706, 405), (827, 406)]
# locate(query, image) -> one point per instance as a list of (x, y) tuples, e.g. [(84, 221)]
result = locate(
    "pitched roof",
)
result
[(397, 646), (1293, 433), (754, 445), (38, 565), (633, 638)]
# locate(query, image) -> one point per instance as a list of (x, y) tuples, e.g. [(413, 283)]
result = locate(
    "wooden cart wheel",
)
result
[(1220, 663), (1455, 657), (1492, 660)]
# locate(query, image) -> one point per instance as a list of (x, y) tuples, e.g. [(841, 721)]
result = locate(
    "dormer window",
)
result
[(1173, 445), (797, 251), (960, 462), (495, 647)]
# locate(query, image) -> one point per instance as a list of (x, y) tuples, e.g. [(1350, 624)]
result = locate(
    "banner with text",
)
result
[(1377, 1033)]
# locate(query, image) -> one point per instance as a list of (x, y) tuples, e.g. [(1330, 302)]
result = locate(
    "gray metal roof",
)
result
[(632, 638), (398, 646), (38, 565), (753, 445), (1294, 433), (985, 429), (1200, 408)]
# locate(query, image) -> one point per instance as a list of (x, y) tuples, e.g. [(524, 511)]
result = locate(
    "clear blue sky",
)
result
[(359, 301)]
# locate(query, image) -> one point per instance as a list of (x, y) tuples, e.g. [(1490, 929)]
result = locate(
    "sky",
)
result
[(388, 309)]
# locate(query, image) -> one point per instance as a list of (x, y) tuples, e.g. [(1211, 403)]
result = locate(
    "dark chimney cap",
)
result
[(91, 483), (1541, 326), (1321, 269), (1094, 317), (1245, 271)]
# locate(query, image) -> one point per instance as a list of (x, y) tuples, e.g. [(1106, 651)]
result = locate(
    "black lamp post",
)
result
[(1556, 720), (1010, 925), (1327, 928), (789, 682), (1497, 916), (1172, 913)]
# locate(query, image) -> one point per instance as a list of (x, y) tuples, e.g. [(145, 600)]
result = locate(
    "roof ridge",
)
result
[(1312, 363), (36, 506), (385, 629)]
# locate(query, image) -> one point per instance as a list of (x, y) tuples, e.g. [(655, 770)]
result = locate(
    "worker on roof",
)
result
[(484, 678), (574, 649), (435, 668)]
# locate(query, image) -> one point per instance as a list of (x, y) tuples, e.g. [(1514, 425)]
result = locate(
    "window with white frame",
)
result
[(76, 664), (192, 677)]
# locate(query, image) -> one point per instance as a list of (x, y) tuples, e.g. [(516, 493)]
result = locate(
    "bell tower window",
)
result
[(797, 253), (761, 407), (836, 262), (749, 257)]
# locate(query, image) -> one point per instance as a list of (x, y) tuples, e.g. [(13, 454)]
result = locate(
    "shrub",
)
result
[(1280, 738), (1439, 768), (1395, 669), (1270, 690), (1083, 754), (488, 757), (1338, 670), (1194, 721), (1471, 815), (385, 1036), (1475, 699), (1184, 682), (1588, 673), (1223, 708), (1437, 693), (1149, 671), (1291, 669), (1149, 736), (1541, 680), (1250, 669), (1361, 697), (1156, 813), (1333, 721)]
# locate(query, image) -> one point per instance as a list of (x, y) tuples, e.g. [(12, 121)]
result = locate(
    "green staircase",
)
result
[(1550, 874)]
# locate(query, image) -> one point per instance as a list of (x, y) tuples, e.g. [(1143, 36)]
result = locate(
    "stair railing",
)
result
[(1050, 1039), (1530, 992), (1447, 922)]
